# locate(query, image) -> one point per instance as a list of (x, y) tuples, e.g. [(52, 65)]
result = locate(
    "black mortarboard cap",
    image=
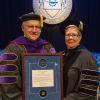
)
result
[(32, 16)]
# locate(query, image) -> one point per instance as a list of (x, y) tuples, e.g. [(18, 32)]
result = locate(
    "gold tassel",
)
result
[(41, 20), (81, 26)]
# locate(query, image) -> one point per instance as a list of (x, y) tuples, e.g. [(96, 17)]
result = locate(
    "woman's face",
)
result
[(72, 37)]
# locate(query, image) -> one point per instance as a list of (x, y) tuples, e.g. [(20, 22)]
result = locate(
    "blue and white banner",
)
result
[(55, 11)]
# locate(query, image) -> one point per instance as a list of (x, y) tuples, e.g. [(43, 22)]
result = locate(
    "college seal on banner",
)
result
[(55, 11)]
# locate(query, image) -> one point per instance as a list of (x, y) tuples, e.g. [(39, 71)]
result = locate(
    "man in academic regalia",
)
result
[(10, 59)]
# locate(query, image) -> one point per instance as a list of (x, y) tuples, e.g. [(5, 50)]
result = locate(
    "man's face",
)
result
[(31, 29), (72, 37)]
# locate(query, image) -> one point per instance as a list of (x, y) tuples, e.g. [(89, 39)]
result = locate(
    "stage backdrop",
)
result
[(86, 10)]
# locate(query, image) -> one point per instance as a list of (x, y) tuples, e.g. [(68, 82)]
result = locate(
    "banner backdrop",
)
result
[(55, 11)]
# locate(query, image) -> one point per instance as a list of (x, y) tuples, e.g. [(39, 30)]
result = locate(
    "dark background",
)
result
[(86, 10)]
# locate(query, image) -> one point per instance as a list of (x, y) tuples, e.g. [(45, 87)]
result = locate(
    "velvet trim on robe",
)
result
[(31, 46)]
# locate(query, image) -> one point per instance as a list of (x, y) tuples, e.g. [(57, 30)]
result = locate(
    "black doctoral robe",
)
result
[(77, 61)]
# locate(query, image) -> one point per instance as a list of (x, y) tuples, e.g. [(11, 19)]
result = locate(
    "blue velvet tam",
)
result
[(76, 23)]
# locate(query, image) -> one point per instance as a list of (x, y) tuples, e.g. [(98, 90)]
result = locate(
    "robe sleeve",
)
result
[(49, 48), (10, 73), (87, 78)]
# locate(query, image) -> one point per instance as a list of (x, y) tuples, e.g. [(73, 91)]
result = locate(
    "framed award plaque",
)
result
[(42, 77)]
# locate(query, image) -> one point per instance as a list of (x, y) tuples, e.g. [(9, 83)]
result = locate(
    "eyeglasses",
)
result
[(72, 35)]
